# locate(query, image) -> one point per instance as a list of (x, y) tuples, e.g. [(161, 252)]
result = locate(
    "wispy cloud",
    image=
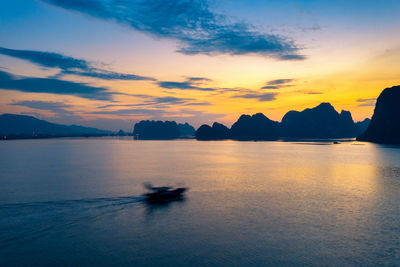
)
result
[(52, 86), (366, 102), (198, 79), (151, 101), (156, 101), (186, 85), (61, 111), (279, 83), (197, 28), (68, 65), (309, 92), (44, 105), (59, 108), (262, 97), (198, 104), (131, 112)]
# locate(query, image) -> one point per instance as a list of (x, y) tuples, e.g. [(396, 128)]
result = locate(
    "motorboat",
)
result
[(164, 193)]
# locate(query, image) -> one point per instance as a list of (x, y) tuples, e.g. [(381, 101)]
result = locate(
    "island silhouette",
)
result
[(162, 130), (320, 122), (13, 126), (385, 123)]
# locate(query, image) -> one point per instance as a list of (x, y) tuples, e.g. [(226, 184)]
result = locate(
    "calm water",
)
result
[(77, 202)]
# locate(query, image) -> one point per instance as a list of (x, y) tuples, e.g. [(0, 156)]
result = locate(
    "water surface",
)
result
[(77, 202)]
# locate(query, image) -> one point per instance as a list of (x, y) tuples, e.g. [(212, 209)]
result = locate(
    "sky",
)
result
[(111, 63)]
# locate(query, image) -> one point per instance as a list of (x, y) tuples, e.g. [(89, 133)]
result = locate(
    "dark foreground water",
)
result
[(77, 202)]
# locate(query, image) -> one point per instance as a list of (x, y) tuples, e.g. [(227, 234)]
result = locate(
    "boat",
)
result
[(165, 193)]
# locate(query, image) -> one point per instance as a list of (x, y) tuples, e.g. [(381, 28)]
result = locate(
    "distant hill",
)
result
[(320, 122), (186, 130), (385, 123), (362, 126), (255, 127), (216, 132), (21, 126), (162, 130)]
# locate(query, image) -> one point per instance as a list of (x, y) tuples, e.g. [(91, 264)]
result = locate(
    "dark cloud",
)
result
[(58, 108), (171, 100), (160, 101), (154, 101), (68, 65), (46, 59), (186, 85), (370, 104), (191, 83), (198, 104), (366, 99), (279, 83), (308, 92), (43, 105), (366, 102), (106, 75), (131, 112), (198, 79), (270, 87), (196, 27), (262, 97), (52, 86)]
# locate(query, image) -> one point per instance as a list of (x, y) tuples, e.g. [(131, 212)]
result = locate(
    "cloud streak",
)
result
[(192, 23), (60, 109), (160, 101), (52, 86), (277, 84), (68, 65), (262, 97), (187, 85), (131, 112), (366, 102), (43, 105)]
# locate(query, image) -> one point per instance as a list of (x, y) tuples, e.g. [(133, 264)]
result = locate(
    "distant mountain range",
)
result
[(162, 130), (14, 126), (320, 122), (385, 123)]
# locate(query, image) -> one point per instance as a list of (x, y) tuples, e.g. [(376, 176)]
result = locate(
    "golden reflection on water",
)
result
[(251, 166), (249, 202)]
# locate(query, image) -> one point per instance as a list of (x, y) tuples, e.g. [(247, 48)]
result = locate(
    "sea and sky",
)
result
[(108, 64)]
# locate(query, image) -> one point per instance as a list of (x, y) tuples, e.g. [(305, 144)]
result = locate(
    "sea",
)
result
[(79, 202)]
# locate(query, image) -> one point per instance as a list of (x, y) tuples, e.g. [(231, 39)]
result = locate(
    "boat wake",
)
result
[(25, 222)]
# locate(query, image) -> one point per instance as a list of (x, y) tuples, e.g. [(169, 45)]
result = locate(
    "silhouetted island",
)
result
[(385, 123), (186, 130), (320, 122), (162, 130), (255, 127), (218, 131), (14, 126)]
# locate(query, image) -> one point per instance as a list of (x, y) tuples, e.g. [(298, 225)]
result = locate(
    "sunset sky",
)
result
[(110, 63)]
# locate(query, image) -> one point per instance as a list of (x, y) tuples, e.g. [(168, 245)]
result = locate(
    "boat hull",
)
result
[(166, 195)]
